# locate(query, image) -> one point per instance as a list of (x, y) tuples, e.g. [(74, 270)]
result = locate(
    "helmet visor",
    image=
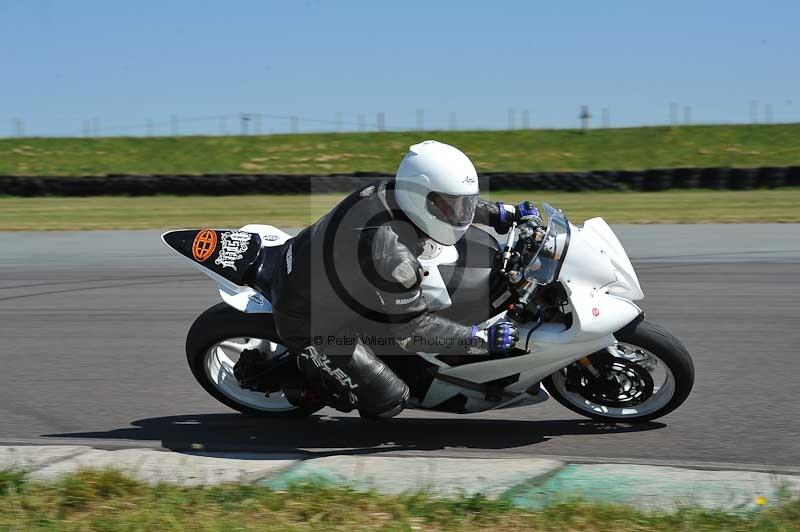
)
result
[(456, 210)]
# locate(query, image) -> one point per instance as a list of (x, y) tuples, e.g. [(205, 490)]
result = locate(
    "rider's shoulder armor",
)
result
[(388, 263)]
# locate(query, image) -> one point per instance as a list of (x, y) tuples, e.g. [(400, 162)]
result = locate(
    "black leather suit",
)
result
[(337, 274), (355, 272)]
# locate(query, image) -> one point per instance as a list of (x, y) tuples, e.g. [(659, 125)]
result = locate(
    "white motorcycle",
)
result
[(570, 291)]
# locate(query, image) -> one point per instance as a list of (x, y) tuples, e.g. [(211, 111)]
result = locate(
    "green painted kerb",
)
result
[(644, 487), (654, 488)]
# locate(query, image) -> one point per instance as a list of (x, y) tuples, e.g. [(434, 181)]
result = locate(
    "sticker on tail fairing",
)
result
[(204, 245), (233, 246), (227, 253)]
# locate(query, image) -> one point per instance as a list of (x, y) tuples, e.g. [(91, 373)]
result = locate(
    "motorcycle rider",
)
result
[(356, 272)]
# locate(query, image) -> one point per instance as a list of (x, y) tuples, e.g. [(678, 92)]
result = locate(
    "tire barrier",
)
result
[(714, 178), (770, 177), (792, 176), (720, 178)]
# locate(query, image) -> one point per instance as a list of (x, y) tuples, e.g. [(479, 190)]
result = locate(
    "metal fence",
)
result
[(258, 123)]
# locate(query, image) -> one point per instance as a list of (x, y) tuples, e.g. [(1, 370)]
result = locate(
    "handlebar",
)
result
[(521, 240), (511, 241)]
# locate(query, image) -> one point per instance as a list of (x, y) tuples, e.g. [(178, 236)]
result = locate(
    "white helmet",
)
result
[(436, 186)]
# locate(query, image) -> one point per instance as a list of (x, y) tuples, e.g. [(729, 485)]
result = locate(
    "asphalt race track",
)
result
[(93, 326)]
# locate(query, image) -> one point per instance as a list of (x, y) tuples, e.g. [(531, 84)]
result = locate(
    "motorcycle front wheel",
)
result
[(214, 344), (647, 374)]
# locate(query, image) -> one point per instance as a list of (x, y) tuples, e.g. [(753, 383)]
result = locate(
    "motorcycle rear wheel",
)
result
[(642, 347), (216, 336)]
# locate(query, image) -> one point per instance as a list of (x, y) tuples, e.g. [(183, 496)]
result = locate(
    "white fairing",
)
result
[(603, 238), (244, 299), (600, 284)]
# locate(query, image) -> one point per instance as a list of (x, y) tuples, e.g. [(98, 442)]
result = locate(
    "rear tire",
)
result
[(219, 323), (660, 343)]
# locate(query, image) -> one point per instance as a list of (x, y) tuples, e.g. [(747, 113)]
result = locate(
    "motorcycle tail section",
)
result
[(227, 254), (228, 257)]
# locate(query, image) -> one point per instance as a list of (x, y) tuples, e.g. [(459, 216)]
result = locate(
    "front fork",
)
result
[(586, 364)]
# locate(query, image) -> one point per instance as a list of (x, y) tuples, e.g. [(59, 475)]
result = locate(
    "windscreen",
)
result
[(544, 266)]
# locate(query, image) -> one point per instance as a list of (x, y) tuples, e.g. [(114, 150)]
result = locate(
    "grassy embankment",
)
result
[(689, 206), (531, 150), (110, 501), (512, 151)]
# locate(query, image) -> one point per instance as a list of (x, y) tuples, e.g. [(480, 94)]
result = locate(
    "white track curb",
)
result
[(528, 482)]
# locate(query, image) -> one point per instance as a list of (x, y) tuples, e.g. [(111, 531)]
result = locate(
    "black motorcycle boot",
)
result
[(358, 380)]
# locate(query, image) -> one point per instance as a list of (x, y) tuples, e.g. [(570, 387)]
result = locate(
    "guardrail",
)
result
[(719, 178)]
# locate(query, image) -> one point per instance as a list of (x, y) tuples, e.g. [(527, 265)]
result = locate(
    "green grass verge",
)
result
[(512, 151), (691, 206), (107, 500)]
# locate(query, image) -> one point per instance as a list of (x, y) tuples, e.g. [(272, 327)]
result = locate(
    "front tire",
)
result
[(222, 327), (642, 347)]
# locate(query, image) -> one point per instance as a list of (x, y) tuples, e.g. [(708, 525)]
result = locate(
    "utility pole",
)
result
[(526, 119), (420, 119), (584, 117), (754, 111), (381, 121), (362, 123), (452, 121), (245, 122), (151, 128), (687, 115), (87, 128), (257, 124), (767, 113), (19, 127), (223, 125), (338, 122), (673, 114), (95, 127), (606, 118), (295, 123)]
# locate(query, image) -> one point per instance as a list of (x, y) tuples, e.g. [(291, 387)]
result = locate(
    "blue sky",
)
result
[(123, 63)]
